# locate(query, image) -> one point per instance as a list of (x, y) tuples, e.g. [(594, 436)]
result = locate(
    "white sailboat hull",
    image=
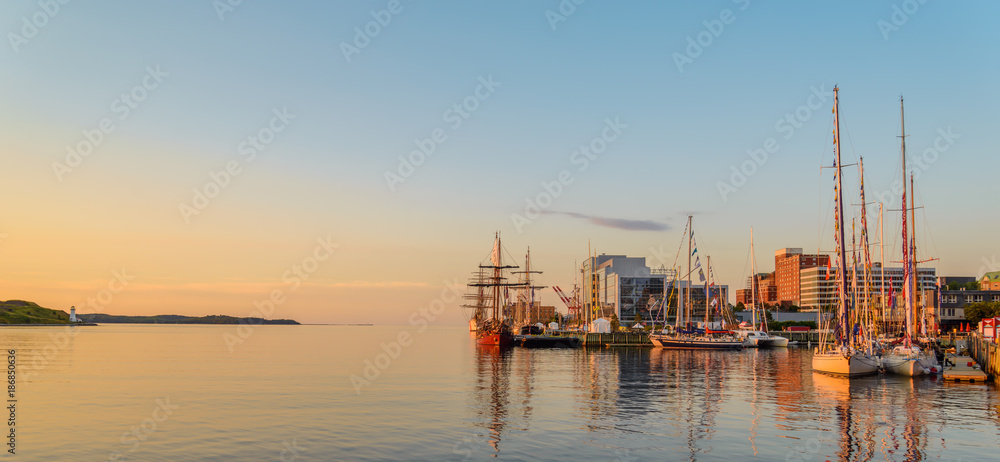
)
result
[(772, 342), (910, 362), (850, 365)]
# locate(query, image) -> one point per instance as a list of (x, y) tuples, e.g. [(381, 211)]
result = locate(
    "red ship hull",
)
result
[(500, 340)]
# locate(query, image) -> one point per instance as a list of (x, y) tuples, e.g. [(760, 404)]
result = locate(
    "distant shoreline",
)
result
[(49, 325)]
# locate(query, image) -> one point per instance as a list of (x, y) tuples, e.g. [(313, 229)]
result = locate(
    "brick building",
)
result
[(788, 266)]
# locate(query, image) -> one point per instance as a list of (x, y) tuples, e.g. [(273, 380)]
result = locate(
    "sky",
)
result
[(351, 162)]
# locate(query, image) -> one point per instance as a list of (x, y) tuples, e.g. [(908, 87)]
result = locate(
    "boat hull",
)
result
[(910, 362), (500, 340), (682, 343), (836, 363), (772, 342), (546, 341)]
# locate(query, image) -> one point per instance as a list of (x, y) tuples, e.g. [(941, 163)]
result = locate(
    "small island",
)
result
[(20, 312), (24, 313), (178, 319)]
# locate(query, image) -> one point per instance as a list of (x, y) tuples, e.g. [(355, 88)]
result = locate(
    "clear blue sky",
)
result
[(556, 87)]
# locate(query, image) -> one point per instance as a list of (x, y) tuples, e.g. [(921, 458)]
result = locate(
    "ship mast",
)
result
[(687, 301), (839, 231), (907, 257)]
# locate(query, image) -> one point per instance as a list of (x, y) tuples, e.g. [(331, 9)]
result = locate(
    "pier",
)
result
[(986, 353), (641, 339)]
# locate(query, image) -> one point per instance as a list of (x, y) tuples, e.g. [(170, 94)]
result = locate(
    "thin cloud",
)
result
[(616, 223)]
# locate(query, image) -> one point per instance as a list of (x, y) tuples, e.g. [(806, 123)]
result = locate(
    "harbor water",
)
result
[(172, 392)]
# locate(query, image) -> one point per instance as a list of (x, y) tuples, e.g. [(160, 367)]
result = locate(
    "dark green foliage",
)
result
[(22, 312), (975, 312)]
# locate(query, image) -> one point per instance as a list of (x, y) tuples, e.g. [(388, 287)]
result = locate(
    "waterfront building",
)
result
[(624, 286), (789, 263), (953, 304), (990, 281), (765, 287), (818, 291)]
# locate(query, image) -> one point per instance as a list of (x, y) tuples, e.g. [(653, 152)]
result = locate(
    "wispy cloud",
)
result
[(617, 223)]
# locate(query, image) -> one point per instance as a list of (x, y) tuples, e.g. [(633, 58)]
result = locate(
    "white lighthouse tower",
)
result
[(72, 314)]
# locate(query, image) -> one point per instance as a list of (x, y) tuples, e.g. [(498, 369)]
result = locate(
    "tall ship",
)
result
[(850, 351), (495, 327)]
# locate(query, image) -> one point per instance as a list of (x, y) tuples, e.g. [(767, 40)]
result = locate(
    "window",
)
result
[(996, 298)]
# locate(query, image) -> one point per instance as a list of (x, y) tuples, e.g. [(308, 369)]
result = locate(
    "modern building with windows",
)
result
[(816, 291), (625, 286)]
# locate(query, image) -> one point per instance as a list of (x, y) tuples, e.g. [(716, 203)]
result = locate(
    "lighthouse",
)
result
[(72, 314)]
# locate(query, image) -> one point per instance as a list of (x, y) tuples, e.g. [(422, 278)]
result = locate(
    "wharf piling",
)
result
[(986, 353)]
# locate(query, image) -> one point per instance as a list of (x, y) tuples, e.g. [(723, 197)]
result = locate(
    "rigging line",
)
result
[(819, 202)]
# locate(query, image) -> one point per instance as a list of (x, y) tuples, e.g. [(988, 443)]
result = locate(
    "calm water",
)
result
[(286, 393)]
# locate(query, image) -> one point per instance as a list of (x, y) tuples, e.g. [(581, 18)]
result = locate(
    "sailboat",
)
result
[(759, 338), (495, 328), (908, 358), (847, 355), (690, 338)]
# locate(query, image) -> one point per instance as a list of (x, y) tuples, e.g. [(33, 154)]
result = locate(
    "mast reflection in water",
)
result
[(644, 404)]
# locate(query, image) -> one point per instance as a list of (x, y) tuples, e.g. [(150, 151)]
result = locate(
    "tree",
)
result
[(975, 312), (638, 317), (614, 322), (740, 307)]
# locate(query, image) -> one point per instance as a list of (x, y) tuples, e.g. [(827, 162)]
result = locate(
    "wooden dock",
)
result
[(962, 371), (984, 352)]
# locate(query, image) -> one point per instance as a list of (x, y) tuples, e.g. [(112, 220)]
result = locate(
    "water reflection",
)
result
[(639, 404)]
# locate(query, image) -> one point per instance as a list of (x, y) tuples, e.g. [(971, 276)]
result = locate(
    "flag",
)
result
[(701, 275), (495, 255), (828, 269)]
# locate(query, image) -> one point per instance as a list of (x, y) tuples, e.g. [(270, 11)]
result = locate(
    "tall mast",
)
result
[(687, 302), (907, 260), (839, 223), (753, 285), (881, 250), (913, 253), (708, 295)]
